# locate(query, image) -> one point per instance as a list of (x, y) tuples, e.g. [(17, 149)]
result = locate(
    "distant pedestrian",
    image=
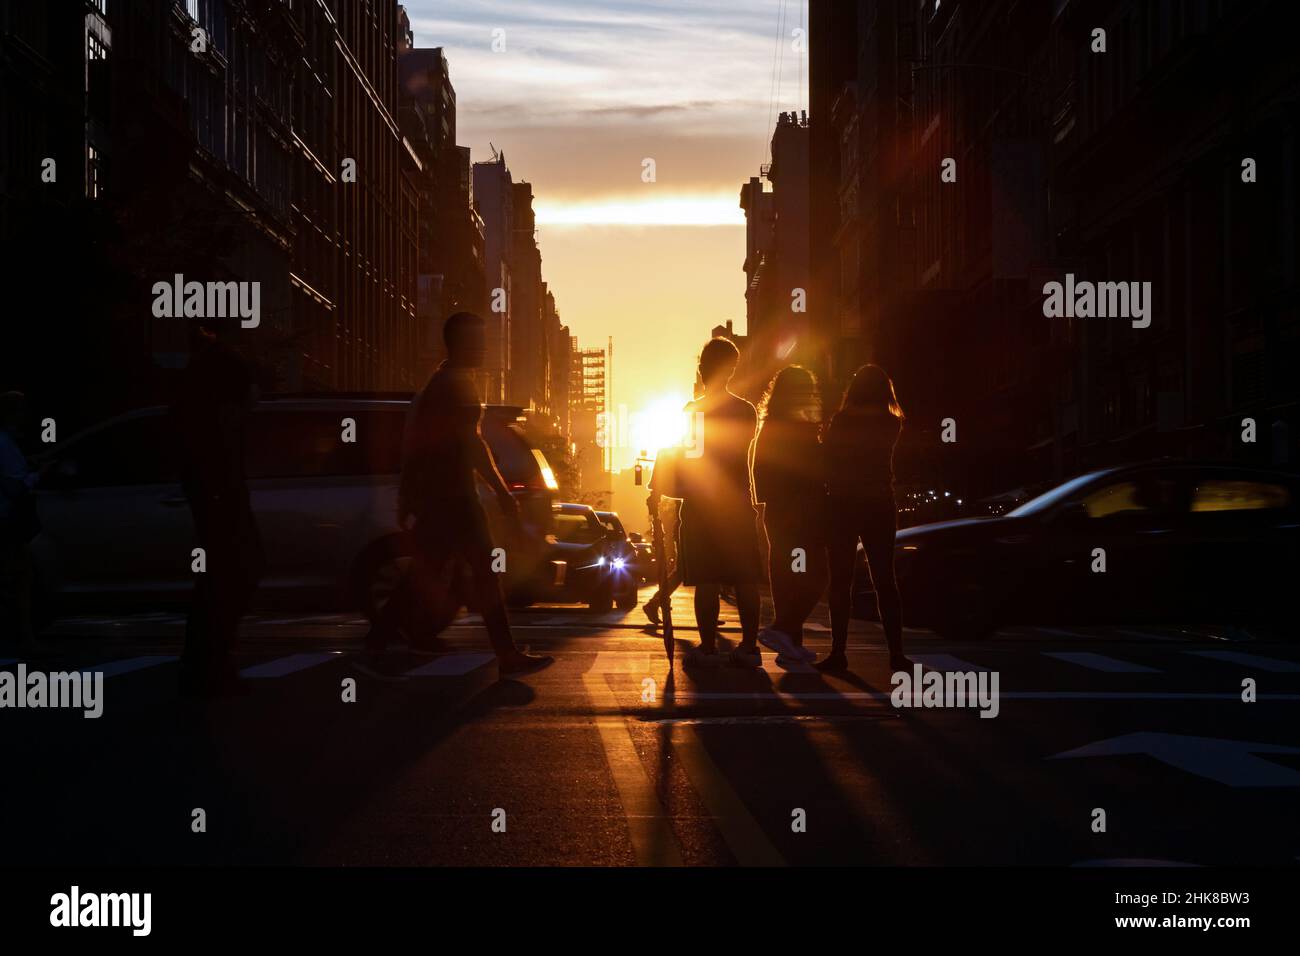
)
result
[(718, 537), (859, 456), (19, 523), (790, 483), (209, 415), (442, 451)]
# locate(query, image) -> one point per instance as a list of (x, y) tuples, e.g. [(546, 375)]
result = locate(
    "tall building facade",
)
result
[(528, 358), (1122, 165), (777, 258), (450, 256), (494, 200), (356, 208), (217, 140)]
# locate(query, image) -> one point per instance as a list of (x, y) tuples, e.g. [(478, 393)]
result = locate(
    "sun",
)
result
[(661, 424)]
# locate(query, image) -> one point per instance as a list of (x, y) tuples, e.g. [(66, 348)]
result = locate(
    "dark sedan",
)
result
[(1157, 542), (586, 562)]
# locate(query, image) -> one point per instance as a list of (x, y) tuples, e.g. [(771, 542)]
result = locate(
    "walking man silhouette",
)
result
[(442, 451)]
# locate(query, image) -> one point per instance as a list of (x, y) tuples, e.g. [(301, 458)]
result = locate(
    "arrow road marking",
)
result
[(1232, 762)]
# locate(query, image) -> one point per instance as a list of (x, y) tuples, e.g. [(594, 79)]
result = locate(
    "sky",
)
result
[(581, 95)]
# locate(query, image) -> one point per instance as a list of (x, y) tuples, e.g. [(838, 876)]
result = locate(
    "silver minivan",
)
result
[(116, 525)]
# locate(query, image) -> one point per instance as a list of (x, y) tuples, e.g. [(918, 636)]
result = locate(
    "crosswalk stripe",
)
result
[(1150, 636), (883, 697), (742, 833), (451, 665), (113, 668), (1100, 662), (946, 662), (649, 826), (288, 665), (1250, 660)]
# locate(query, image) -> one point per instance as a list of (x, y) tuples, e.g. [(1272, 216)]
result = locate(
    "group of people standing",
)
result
[(822, 488)]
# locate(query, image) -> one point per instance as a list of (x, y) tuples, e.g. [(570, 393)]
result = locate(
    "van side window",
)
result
[(290, 443), (1229, 495)]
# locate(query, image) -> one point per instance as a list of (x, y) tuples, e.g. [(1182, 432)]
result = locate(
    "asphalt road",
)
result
[(610, 758)]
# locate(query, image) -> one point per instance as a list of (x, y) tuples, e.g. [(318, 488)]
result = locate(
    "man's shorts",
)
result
[(719, 547)]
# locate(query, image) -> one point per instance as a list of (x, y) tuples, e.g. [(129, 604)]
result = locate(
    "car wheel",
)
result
[(626, 602)]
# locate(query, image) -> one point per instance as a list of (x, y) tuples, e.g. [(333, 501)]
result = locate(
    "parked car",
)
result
[(587, 563), (117, 527), (1164, 541)]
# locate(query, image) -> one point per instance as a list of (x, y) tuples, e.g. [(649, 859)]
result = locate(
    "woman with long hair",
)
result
[(859, 460), (788, 480)]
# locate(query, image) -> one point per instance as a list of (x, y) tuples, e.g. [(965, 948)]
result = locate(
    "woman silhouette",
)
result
[(859, 461), (788, 480)]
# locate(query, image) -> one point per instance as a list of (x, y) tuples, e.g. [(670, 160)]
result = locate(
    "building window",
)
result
[(95, 49), (92, 172)]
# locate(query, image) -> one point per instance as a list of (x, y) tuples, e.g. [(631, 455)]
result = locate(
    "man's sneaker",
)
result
[(651, 608), (519, 663), (746, 657), (833, 663), (797, 664), (697, 657), (784, 645)]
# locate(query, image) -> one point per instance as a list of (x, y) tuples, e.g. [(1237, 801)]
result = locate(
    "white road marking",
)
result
[(1100, 662), (649, 826), (452, 665), (1232, 762), (113, 668), (1003, 695), (288, 665), (1251, 660), (946, 662)]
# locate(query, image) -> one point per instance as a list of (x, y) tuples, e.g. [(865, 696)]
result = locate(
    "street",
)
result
[(607, 758)]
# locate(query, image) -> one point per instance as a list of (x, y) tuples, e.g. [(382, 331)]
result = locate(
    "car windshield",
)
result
[(576, 529), (1051, 497)]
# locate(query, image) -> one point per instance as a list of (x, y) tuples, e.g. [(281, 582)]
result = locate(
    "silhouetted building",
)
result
[(494, 199), (221, 141), (777, 258), (354, 274), (528, 356), (451, 242), (1119, 166)]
